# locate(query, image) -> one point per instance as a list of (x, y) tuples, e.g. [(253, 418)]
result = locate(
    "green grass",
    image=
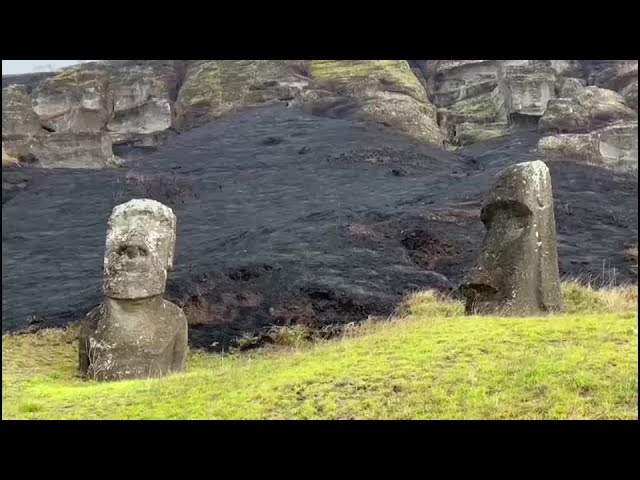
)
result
[(428, 362)]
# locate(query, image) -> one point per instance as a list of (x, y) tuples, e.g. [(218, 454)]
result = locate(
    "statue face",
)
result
[(517, 272), (501, 274), (139, 249)]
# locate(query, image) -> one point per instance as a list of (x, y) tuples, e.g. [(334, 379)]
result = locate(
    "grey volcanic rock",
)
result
[(490, 96), (569, 87), (73, 100), (443, 102), (564, 115), (141, 95), (135, 333), (604, 106), (88, 150), (18, 117), (614, 146), (517, 272)]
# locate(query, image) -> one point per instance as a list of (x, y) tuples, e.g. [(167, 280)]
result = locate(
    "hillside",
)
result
[(311, 192), (429, 362)]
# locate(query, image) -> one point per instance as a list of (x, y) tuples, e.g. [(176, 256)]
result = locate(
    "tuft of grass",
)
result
[(430, 363), (582, 297), (430, 304), (290, 336)]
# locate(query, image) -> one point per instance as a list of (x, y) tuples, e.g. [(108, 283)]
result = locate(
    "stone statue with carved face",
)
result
[(517, 272), (135, 332)]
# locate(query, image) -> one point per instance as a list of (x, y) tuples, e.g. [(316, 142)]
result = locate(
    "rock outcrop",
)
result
[(614, 146), (381, 91), (482, 99), (442, 102), (517, 272), (18, 117)]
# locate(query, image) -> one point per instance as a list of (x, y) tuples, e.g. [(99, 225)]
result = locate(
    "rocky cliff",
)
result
[(450, 103)]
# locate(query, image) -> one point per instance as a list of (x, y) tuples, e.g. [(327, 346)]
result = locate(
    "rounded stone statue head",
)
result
[(141, 237)]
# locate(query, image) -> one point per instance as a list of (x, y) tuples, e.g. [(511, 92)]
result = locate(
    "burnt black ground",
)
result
[(285, 217)]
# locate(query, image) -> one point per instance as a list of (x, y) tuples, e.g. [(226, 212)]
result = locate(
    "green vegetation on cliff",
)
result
[(429, 362)]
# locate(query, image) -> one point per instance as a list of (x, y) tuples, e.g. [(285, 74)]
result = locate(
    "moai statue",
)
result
[(517, 273), (135, 333)]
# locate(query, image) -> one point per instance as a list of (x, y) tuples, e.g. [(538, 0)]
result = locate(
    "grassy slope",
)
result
[(430, 363)]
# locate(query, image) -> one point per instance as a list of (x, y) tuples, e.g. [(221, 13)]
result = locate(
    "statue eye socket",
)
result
[(133, 251)]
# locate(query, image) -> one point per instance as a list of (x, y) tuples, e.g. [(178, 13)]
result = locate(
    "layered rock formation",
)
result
[(593, 123), (442, 102)]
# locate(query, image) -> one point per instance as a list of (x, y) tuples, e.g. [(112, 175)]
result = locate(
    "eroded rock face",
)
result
[(73, 100), (482, 99), (88, 150), (443, 102), (381, 91), (564, 115), (569, 87), (135, 333), (18, 117), (212, 88), (517, 273), (604, 106)]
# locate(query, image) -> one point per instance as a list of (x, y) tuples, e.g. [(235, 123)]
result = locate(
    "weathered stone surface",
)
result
[(135, 333), (610, 74), (513, 93), (141, 94), (73, 99), (8, 159), (569, 87), (64, 150), (381, 91), (529, 89), (630, 94), (615, 146), (517, 273), (18, 117), (567, 68), (141, 237), (564, 115), (214, 87), (468, 133), (604, 106), (138, 100)]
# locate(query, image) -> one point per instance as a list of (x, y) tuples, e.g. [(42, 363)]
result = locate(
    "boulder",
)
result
[(604, 106), (564, 115), (615, 146)]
